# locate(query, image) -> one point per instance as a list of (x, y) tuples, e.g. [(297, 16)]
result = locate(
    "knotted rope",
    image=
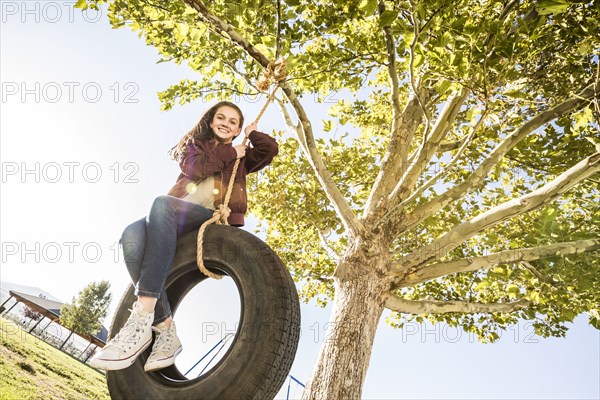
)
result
[(275, 72)]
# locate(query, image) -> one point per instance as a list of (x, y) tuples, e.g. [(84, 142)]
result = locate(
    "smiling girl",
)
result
[(206, 157)]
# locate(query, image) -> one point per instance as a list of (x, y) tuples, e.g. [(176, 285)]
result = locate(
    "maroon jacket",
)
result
[(209, 157)]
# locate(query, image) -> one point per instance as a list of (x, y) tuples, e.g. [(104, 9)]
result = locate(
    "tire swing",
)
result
[(260, 357)]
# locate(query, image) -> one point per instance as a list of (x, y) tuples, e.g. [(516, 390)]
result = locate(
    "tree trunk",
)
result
[(346, 351)]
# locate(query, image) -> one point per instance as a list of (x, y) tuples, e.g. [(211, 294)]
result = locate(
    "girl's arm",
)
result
[(261, 154)]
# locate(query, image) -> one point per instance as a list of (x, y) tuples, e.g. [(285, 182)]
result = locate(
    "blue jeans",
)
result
[(149, 246)]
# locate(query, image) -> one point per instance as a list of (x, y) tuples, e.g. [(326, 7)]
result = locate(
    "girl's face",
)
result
[(226, 124)]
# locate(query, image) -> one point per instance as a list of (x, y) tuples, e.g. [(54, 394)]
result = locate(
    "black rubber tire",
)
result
[(263, 349)]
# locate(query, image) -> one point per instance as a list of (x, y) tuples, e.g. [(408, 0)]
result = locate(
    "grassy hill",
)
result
[(32, 369)]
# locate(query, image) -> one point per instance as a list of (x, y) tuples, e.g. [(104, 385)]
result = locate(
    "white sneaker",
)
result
[(166, 347), (135, 337)]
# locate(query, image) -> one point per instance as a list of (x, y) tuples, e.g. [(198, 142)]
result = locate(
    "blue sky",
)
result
[(83, 148)]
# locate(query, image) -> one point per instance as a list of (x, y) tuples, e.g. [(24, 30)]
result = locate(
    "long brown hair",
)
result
[(202, 130)]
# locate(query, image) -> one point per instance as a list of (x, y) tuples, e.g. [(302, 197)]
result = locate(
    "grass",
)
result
[(32, 369)]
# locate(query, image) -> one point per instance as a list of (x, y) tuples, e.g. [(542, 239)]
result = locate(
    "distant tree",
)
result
[(85, 313)]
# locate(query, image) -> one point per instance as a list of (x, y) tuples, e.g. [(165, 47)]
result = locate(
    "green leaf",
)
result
[(512, 290), (180, 32), (268, 40), (419, 61), (368, 6), (442, 86), (494, 118), (516, 94), (534, 297), (545, 7), (445, 39), (594, 318), (582, 118), (81, 4), (387, 17), (472, 113)]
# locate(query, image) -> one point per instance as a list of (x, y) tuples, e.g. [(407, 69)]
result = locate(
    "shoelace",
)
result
[(133, 323), (162, 341)]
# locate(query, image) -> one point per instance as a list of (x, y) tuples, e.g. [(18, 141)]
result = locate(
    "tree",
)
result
[(465, 189), (85, 313)]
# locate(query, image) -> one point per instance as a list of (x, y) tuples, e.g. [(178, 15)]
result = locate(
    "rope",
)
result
[(275, 71)]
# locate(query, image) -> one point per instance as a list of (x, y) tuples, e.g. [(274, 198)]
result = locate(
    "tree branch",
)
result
[(406, 306), (509, 209), (395, 160), (278, 34), (469, 264), (464, 144), (331, 66), (293, 129), (332, 253), (452, 145), (390, 47), (398, 133), (397, 222), (242, 75), (345, 213), (411, 65), (228, 30), (353, 226), (404, 124), (428, 150), (537, 273)]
